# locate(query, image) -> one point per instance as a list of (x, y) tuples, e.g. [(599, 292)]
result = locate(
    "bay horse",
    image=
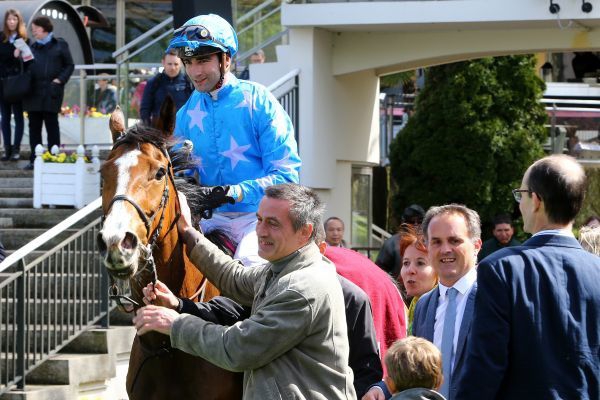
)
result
[(139, 242)]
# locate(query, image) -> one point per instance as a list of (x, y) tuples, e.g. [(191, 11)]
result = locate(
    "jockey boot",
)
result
[(16, 153), (7, 153)]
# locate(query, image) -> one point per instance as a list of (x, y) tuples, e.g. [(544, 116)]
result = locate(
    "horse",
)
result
[(139, 242)]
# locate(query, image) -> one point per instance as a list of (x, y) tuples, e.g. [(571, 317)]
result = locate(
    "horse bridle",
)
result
[(152, 236)]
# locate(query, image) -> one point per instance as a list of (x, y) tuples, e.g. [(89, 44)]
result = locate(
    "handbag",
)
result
[(16, 87)]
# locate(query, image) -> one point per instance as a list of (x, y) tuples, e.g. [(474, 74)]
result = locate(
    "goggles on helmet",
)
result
[(198, 33)]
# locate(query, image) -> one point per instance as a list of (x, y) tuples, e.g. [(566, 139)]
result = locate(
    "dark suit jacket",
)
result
[(424, 321), (536, 326)]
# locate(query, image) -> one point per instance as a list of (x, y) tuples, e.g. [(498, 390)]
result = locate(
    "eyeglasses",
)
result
[(517, 194)]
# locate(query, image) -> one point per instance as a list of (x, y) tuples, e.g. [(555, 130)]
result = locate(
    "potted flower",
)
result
[(65, 179)]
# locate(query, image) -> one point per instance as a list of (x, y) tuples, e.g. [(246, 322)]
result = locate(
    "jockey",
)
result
[(243, 138)]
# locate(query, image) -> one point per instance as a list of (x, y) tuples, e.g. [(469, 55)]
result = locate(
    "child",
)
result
[(414, 370)]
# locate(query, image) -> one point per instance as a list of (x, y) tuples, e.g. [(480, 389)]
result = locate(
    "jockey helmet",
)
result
[(203, 35)]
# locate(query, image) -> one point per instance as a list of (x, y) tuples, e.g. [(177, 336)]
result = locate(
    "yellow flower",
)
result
[(62, 157)]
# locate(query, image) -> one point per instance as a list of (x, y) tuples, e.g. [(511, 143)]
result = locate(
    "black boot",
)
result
[(16, 153), (7, 154)]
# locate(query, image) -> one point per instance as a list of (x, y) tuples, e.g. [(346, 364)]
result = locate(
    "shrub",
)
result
[(477, 126)]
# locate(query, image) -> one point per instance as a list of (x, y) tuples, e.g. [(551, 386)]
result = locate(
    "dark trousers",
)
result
[(6, 109), (50, 120)]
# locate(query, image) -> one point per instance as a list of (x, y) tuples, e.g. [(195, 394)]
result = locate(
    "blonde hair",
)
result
[(21, 29), (590, 239), (414, 362)]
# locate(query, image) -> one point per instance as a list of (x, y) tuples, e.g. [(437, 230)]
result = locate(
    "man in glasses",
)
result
[(243, 138), (535, 329)]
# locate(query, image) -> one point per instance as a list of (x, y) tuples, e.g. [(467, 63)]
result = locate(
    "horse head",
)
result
[(139, 199)]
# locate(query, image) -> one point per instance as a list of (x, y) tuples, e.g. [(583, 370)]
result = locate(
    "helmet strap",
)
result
[(222, 61)]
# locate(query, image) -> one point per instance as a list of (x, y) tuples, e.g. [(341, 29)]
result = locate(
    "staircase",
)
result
[(93, 364)]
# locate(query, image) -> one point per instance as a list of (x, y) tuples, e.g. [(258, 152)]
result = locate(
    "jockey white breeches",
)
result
[(241, 229)]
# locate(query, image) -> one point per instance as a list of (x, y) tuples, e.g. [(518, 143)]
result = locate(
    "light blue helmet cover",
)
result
[(218, 32)]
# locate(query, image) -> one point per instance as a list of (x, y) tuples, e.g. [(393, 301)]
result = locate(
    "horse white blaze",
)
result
[(117, 221)]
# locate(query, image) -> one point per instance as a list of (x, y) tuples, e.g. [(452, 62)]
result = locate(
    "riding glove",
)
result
[(211, 197)]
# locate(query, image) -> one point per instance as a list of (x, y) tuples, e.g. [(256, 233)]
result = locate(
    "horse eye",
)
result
[(160, 173)]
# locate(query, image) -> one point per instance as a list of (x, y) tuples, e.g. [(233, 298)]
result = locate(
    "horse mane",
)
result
[(181, 158)]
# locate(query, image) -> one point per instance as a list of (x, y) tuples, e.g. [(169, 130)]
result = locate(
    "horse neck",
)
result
[(168, 251), (172, 263)]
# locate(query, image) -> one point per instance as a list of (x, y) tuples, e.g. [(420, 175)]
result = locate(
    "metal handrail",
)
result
[(50, 234), (255, 10), (569, 101), (289, 98), (261, 19), (383, 234), (47, 302), (242, 56), (281, 81), (150, 44), (142, 38), (580, 109)]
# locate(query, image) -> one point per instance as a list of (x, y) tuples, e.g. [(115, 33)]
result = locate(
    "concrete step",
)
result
[(115, 340), (41, 217), (15, 173), (10, 192), (101, 353), (42, 392), (73, 369), (9, 202), (16, 165), (14, 238), (16, 182), (40, 338)]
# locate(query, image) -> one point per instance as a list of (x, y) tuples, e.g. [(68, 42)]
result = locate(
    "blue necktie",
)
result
[(448, 340)]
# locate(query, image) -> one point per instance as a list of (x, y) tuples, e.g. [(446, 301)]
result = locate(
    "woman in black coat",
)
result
[(50, 71), (10, 64)]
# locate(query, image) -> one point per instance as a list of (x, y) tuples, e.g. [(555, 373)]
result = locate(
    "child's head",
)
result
[(413, 363)]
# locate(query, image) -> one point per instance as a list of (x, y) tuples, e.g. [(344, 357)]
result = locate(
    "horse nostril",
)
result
[(129, 242), (101, 244)]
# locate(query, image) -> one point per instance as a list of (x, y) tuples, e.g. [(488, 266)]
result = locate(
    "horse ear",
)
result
[(166, 120), (117, 123)]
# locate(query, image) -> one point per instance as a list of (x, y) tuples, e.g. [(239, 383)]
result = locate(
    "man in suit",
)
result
[(535, 328), (453, 235)]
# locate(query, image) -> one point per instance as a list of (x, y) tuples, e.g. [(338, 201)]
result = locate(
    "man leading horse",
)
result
[(243, 138), (294, 344)]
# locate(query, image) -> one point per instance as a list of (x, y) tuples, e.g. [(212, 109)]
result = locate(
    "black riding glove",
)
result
[(211, 197)]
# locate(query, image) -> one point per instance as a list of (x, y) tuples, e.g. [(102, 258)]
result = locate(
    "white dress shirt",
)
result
[(463, 286)]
